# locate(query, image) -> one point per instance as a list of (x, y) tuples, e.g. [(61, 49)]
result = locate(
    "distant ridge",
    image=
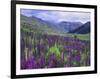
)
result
[(64, 27), (84, 29)]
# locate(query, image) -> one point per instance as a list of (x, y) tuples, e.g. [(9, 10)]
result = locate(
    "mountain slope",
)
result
[(35, 24), (84, 29), (68, 26), (38, 25)]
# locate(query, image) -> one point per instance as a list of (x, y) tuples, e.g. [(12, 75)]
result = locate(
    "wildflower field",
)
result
[(51, 51), (54, 39)]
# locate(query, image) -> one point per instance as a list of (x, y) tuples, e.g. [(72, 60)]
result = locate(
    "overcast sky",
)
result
[(57, 16)]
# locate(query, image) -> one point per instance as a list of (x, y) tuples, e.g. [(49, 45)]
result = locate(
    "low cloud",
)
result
[(57, 16)]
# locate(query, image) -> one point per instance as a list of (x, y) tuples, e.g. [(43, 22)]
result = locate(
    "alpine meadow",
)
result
[(54, 39)]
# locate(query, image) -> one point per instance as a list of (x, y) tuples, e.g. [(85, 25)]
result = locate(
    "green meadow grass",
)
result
[(80, 36), (50, 32)]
